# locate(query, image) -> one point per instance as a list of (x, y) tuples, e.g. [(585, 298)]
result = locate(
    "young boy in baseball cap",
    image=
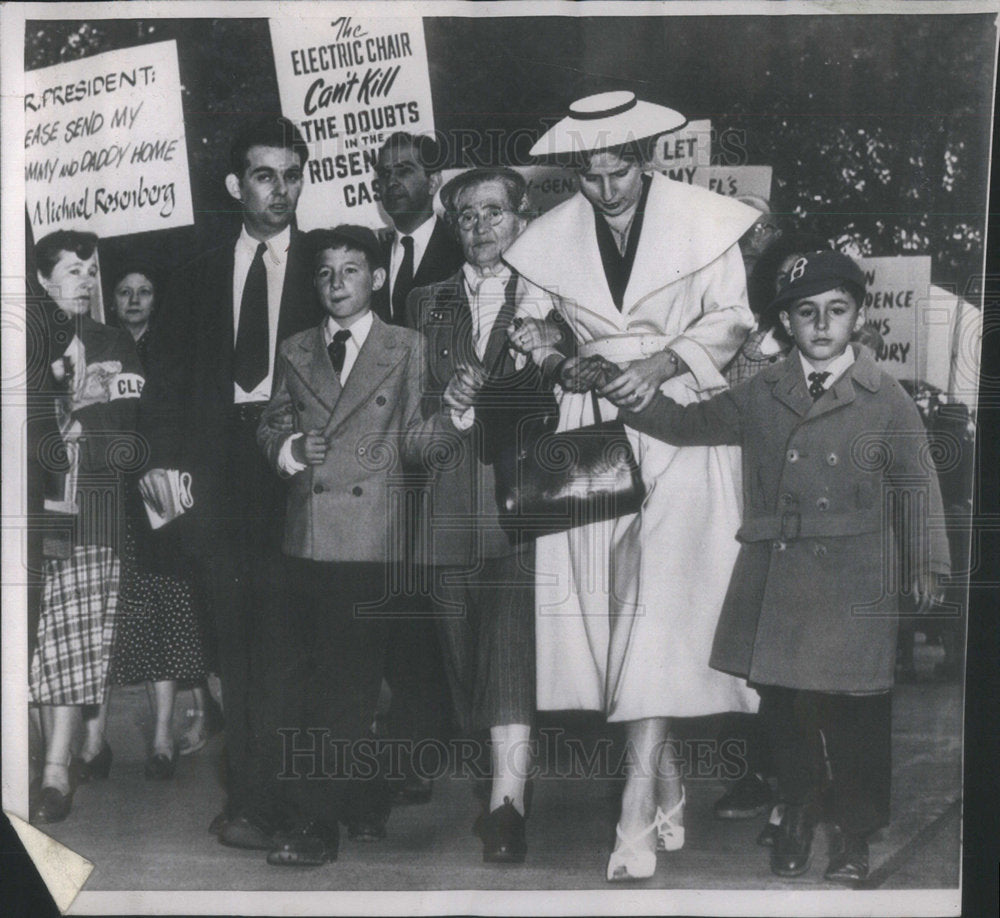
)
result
[(834, 468)]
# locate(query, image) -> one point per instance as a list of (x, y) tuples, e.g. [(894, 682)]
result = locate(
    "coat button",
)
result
[(823, 503), (778, 545), (380, 400), (792, 455), (444, 352), (832, 459), (301, 406), (819, 550), (318, 489), (357, 491), (787, 499), (362, 450)]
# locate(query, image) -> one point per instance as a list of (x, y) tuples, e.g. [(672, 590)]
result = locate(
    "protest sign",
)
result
[(895, 302), (678, 151), (348, 83), (104, 144)]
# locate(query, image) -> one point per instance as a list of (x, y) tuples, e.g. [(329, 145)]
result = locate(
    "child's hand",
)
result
[(527, 334), (310, 448), (635, 388), (928, 592), (460, 393), (581, 374)]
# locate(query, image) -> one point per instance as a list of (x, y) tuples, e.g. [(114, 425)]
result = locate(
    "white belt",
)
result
[(623, 348)]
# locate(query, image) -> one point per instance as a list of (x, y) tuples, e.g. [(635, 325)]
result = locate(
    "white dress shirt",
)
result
[(287, 463), (421, 238), (836, 368), (275, 262)]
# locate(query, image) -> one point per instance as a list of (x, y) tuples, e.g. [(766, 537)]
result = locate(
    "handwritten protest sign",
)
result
[(104, 144), (896, 301), (348, 83)]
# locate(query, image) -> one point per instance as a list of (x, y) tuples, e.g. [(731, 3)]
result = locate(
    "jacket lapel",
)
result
[(684, 229), (296, 311), (221, 320), (312, 363), (559, 253), (790, 385), (378, 355)]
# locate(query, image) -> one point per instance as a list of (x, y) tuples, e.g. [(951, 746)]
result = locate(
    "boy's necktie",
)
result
[(250, 359), (816, 381), (337, 349)]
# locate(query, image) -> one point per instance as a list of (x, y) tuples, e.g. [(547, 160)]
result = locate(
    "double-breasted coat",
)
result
[(841, 506), (626, 610), (343, 509)]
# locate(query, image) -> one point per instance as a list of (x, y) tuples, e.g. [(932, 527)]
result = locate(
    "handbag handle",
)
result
[(597, 407)]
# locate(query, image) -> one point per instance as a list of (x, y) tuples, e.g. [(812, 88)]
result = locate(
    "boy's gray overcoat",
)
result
[(828, 490)]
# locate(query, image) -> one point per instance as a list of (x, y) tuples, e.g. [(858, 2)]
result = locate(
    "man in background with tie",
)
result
[(419, 249), (212, 358)]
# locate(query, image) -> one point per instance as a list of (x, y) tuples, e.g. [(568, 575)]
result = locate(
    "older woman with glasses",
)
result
[(482, 573)]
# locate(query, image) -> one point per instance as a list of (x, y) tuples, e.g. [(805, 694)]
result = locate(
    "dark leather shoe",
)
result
[(368, 827), (309, 846), (413, 791), (502, 833), (98, 768), (51, 806), (849, 860), (792, 852), (160, 767), (246, 832), (748, 797)]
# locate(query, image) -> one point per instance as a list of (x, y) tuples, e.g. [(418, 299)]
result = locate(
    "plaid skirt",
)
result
[(76, 629)]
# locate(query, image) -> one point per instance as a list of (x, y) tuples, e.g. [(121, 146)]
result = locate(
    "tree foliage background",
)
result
[(877, 127)]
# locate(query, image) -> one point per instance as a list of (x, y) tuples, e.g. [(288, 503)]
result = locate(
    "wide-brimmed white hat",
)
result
[(609, 119)]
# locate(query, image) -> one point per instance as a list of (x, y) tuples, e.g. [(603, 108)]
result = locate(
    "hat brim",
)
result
[(590, 135), (820, 285)]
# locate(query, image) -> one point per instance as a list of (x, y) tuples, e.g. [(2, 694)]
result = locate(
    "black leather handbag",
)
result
[(550, 481)]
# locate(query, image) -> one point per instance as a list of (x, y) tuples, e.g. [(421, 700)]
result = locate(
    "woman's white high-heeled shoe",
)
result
[(628, 862), (670, 835)]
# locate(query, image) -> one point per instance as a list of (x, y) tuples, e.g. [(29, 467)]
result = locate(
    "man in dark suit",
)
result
[(211, 363), (419, 250)]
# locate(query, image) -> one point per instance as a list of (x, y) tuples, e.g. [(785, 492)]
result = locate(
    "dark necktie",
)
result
[(252, 335), (816, 381), (337, 349), (404, 280)]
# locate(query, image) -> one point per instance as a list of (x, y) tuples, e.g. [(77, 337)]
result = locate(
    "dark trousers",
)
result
[(843, 741), (331, 768), (233, 536), (414, 669), (486, 621)]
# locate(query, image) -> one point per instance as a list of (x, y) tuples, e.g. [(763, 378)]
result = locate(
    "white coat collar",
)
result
[(684, 229)]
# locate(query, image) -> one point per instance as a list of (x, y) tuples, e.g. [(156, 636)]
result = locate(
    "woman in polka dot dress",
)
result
[(160, 640)]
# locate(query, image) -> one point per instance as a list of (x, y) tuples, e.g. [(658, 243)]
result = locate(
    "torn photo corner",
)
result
[(316, 675)]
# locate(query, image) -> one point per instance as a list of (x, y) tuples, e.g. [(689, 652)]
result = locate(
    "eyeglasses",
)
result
[(490, 215)]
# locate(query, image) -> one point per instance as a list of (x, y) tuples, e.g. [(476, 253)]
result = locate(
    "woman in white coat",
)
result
[(647, 274)]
